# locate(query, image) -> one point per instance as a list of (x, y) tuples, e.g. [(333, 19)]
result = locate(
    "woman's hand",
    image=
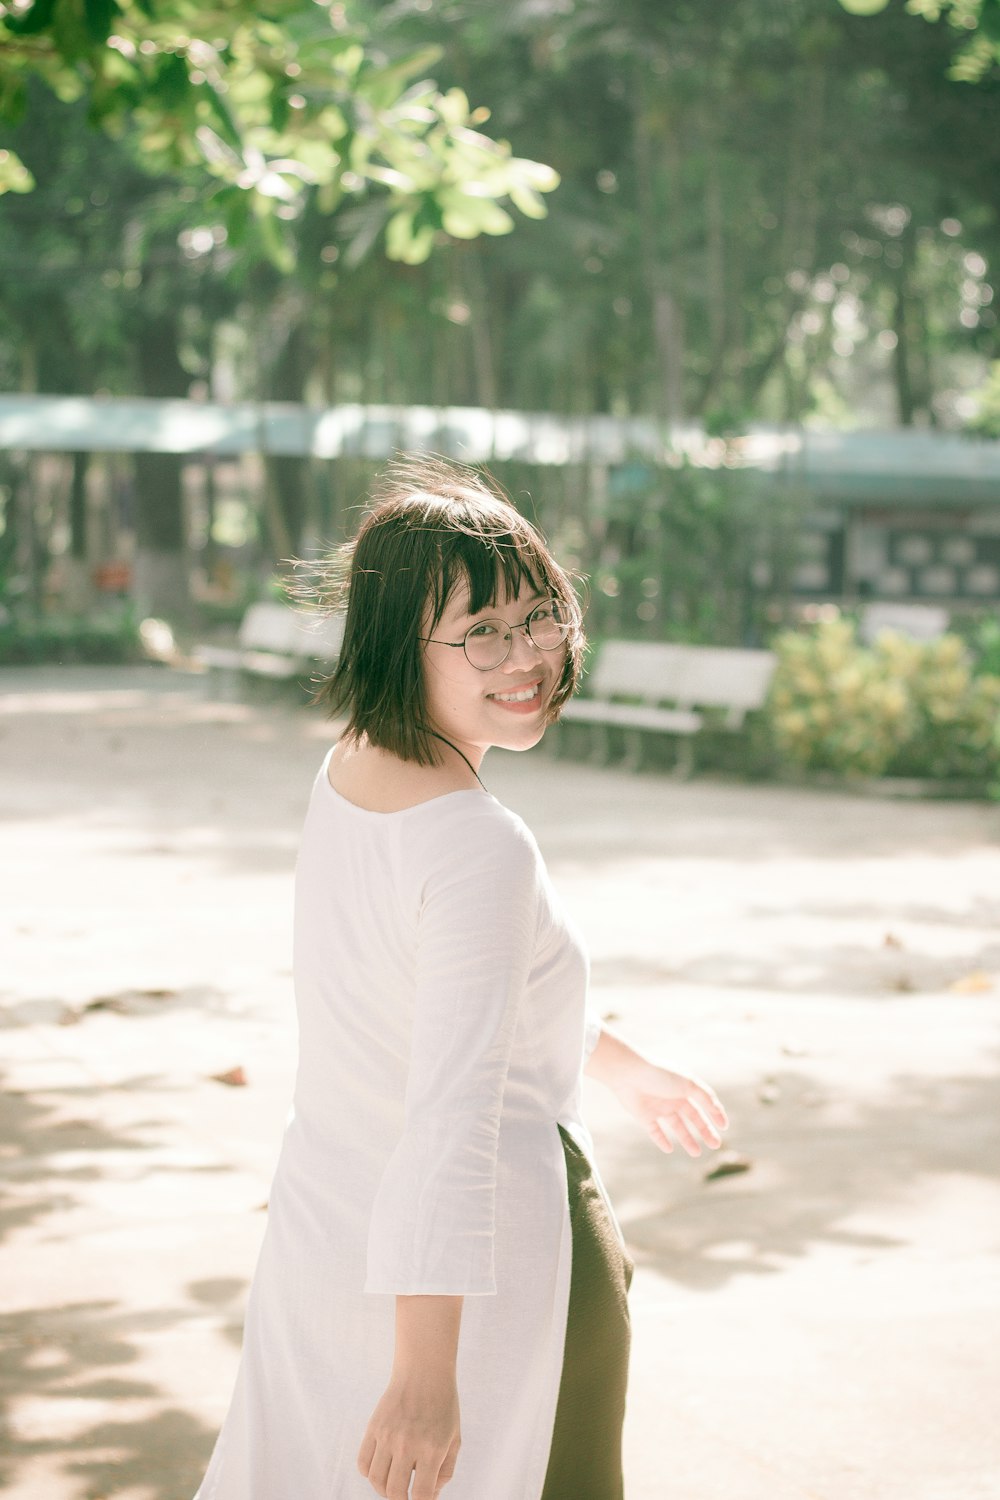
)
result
[(669, 1104), (414, 1430)]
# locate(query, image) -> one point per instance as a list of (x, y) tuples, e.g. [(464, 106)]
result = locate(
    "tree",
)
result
[(310, 97), (978, 21), (272, 121)]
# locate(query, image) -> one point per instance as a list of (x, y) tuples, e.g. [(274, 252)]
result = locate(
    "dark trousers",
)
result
[(585, 1460)]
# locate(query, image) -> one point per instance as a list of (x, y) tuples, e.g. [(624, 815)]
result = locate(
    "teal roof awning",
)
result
[(866, 468)]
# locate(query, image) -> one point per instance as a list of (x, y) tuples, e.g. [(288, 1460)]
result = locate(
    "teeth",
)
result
[(524, 696)]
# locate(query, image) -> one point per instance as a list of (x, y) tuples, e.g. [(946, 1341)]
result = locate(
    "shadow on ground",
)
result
[(63, 1363), (813, 1169)]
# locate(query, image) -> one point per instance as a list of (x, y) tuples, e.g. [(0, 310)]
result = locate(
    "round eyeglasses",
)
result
[(487, 644)]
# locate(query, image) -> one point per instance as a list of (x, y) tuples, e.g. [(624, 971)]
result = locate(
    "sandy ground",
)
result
[(823, 1325)]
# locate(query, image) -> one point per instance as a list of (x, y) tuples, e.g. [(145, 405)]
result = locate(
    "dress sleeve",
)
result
[(432, 1222)]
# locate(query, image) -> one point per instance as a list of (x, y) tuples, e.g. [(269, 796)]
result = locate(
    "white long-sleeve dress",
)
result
[(441, 1001)]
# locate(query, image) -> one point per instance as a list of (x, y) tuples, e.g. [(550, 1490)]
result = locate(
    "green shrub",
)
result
[(897, 708), (65, 639)]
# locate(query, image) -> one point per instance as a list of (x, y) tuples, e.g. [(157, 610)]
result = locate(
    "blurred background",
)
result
[(709, 288)]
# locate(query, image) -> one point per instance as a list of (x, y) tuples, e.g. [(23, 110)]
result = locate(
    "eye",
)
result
[(548, 611), (483, 631)]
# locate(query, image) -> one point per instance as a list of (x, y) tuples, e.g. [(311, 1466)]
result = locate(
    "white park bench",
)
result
[(648, 686), (277, 642)]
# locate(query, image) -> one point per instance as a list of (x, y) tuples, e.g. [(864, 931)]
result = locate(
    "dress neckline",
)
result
[(397, 812)]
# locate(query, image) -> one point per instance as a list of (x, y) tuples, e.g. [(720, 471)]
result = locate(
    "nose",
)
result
[(522, 647)]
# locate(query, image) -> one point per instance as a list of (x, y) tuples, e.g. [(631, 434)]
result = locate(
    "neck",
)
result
[(444, 740)]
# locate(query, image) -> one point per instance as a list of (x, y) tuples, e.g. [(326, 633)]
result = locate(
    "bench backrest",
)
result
[(918, 622), (271, 626), (688, 676)]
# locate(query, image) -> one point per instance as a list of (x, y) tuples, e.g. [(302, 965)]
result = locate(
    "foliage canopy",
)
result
[(272, 108)]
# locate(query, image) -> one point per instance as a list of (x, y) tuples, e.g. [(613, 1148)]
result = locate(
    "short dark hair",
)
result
[(431, 525)]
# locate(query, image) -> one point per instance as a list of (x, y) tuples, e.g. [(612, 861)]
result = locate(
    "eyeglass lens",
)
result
[(488, 644)]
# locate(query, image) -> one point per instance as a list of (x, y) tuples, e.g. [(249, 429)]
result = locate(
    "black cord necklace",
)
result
[(468, 762)]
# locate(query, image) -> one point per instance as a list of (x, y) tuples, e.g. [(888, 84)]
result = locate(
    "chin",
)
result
[(526, 740)]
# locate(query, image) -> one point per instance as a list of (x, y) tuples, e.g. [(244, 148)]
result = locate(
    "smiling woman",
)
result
[(443, 560), (441, 1268)]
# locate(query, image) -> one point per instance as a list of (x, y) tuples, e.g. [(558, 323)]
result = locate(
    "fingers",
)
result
[(398, 1483), (377, 1473), (390, 1475), (688, 1125), (711, 1107), (430, 1478), (701, 1120), (365, 1454), (447, 1470)]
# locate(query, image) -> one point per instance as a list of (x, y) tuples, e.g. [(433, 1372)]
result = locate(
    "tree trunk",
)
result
[(78, 508), (161, 584), (906, 405), (715, 268), (288, 474), (658, 272), (910, 365)]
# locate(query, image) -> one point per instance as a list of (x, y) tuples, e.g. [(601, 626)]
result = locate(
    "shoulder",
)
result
[(474, 833), (470, 818)]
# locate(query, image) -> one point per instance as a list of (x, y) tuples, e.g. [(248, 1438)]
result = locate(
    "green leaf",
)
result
[(100, 16), (405, 242), (274, 242), (453, 107), (172, 85), (382, 87), (465, 218), (216, 106), (530, 203), (14, 175), (543, 178), (31, 22), (989, 22), (13, 98)]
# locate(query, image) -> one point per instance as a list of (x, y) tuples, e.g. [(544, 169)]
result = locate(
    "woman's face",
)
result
[(477, 709)]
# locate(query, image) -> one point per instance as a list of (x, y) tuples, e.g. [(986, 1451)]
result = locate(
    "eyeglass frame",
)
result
[(525, 625)]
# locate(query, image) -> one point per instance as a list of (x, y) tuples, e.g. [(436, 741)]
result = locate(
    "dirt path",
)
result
[(824, 1325)]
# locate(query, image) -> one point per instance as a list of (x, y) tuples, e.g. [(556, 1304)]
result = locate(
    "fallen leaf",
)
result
[(236, 1077), (769, 1093), (728, 1164), (106, 1002), (793, 1049), (903, 984), (975, 983), (892, 941)]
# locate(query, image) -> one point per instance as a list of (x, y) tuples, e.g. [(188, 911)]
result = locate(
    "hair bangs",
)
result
[(493, 568)]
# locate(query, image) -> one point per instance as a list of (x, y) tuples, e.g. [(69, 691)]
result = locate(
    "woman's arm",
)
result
[(414, 1429), (661, 1099), (431, 1233)]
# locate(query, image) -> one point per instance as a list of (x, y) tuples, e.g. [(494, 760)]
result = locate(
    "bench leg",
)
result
[(633, 750), (684, 762), (600, 745), (222, 684)]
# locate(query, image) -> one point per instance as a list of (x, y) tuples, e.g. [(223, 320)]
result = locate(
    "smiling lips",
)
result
[(523, 700)]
